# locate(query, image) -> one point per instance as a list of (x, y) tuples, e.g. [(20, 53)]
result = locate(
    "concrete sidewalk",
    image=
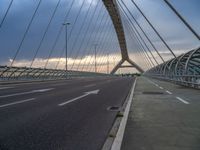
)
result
[(159, 120)]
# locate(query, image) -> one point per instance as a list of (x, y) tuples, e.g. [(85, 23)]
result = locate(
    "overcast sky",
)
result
[(86, 32)]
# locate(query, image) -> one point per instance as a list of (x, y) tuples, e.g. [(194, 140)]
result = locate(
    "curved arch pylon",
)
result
[(112, 8)]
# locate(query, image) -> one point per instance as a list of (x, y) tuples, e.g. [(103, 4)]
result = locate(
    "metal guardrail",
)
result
[(184, 70), (24, 73)]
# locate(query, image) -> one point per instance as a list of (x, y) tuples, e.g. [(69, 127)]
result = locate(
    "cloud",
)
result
[(87, 63)]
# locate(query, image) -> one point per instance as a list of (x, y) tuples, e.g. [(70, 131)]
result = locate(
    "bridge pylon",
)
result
[(111, 6), (131, 65)]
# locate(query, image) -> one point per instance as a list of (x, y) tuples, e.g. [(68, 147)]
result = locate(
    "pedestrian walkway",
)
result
[(163, 116)]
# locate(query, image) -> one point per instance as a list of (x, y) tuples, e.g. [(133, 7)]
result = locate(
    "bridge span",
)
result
[(99, 75)]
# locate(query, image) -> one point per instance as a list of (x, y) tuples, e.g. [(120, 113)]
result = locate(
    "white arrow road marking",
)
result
[(18, 102), (34, 91), (2, 88), (77, 98)]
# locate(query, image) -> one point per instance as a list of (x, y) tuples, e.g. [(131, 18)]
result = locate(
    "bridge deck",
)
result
[(168, 121)]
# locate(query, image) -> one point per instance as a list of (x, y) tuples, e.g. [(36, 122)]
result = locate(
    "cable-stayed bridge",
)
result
[(59, 66)]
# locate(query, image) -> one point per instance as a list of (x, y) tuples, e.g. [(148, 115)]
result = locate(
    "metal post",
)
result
[(95, 57), (66, 49), (66, 37), (107, 63)]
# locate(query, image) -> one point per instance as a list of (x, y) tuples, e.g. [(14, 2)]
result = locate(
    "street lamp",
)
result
[(66, 24), (108, 63), (95, 57)]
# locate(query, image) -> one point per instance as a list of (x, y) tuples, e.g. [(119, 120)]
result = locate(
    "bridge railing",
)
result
[(24, 73), (184, 70)]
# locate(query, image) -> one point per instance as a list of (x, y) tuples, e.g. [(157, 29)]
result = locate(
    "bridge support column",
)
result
[(132, 64)]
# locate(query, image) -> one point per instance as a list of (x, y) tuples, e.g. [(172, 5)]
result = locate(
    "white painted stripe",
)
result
[(79, 97), (59, 84), (150, 81), (70, 101), (91, 85), (16, 94), (169, 92), (161, 87), (23, 93), (18, 102), (120, 133), (153, 83), (2, 88), (184, 101)]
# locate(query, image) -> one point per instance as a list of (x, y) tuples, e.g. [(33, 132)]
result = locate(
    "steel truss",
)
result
[(184, 69), (24, 73)]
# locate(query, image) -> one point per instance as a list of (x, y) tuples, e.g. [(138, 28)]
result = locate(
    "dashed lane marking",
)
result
[(169, 92), (91, 85), (182, 100), (18, 102), (2, 88)]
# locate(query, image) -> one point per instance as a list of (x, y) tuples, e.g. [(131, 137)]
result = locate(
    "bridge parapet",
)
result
[(24, 73), (184, 69)]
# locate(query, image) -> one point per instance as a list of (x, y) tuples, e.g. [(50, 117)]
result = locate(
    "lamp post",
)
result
[(95, 57), (66, 37), (108, 63)]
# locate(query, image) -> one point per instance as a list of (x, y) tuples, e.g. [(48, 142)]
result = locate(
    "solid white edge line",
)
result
[(169, 92), (18, 102), (161, 87), (120, 133), (180, 99)]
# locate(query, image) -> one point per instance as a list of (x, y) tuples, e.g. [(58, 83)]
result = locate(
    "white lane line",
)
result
[(79, 97), (24, 93), (169, 92), (156, 85), (59, 84), (2, 88), (18, 102), (153, 83), (182, 100), (91, 85), (120, 133), (150, 81)]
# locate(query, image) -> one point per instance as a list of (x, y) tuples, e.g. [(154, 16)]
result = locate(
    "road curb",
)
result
[(115, 137)]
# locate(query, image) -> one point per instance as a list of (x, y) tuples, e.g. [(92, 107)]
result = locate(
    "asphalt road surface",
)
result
[(60, 115)]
